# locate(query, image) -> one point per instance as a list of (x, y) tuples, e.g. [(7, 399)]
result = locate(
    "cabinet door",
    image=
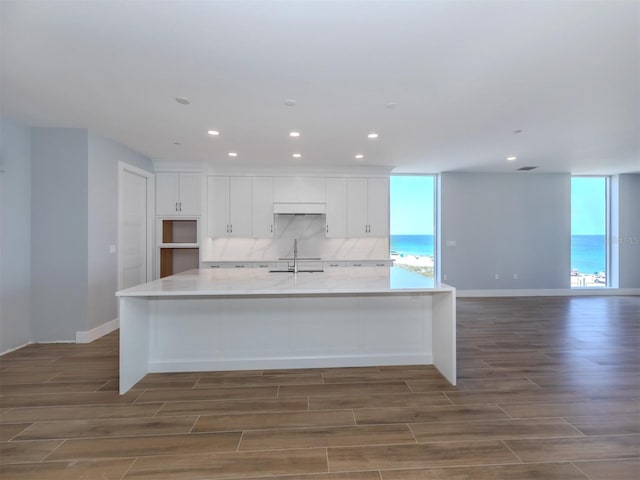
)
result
[(190, 193), (218, 206), (240, 207), (357, 207), (166, 193), (262, 207), (378, 207), (299, 189), (336, 208)]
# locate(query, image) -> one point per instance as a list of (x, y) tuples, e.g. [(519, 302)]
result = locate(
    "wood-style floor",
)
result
[(549, 388)]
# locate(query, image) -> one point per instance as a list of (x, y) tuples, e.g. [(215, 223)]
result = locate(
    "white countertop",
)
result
[(247, 282)]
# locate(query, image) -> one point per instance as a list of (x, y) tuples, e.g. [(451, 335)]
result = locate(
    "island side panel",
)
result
[(444, 334), (134, 340), (198, 334)]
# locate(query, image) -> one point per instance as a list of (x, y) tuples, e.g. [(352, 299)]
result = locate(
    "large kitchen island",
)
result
[(211, 319)]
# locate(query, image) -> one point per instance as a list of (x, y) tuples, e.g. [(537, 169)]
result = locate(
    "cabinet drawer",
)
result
[(334, 264)]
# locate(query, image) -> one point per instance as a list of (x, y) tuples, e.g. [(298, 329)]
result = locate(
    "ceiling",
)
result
[(445, 84)]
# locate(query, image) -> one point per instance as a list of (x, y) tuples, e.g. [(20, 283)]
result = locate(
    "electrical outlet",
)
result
[(497, 277), (515, 276), (444, 277)]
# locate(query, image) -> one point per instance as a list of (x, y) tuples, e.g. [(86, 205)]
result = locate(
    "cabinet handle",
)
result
[(177, 207), (327, 228), (271, 228), (180, 206), (230, 228), (227, 228)]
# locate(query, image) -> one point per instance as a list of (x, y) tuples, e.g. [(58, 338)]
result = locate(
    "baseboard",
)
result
[(287, 363), (15, 348), (95, 333), (548, 292)]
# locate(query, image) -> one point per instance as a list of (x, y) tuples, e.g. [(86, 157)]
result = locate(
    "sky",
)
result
[(588, 205), (412, 205)]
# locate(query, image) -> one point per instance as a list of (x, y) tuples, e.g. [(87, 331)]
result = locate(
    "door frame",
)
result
[(127, 168)]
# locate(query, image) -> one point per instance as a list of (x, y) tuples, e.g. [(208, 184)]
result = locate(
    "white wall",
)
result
[(505, 224), (74, 219), (628, 241), (59, 244), (102, 224), (15, 234)]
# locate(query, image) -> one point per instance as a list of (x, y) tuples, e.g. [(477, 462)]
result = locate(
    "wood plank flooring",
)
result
[(549, 388)]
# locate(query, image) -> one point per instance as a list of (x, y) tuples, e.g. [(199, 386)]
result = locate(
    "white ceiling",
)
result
[(464, 76)]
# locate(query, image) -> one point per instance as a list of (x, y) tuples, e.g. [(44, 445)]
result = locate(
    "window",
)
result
[(412, 208), (589, 232)]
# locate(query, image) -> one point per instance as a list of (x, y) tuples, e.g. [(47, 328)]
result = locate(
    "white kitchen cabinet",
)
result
[(378, 207), (229, 206), (367, 207), (262, 207), (299, 189), (178, 193), (336, 226)]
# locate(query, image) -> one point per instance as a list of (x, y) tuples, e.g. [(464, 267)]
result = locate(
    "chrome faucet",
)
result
[(295, 255)]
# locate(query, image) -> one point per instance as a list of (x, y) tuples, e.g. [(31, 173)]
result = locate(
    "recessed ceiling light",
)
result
[(294, 134), (290, 102), (372, 135), (232, 154), (183, 100), (512, 158), (296, 155), (213, 132), (359, 156)]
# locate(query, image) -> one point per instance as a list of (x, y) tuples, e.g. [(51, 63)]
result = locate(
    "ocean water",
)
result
[(412, 244), (588, 253)]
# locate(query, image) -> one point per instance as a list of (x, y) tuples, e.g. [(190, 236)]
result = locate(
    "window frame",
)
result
[(607, 230)]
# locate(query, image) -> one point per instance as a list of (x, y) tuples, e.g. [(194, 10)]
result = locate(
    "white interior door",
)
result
[(134, 228)]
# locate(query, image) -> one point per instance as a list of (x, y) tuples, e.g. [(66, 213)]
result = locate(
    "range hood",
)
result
[(299, 208)]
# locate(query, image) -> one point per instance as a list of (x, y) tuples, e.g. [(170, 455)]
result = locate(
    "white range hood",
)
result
[(299, 208)]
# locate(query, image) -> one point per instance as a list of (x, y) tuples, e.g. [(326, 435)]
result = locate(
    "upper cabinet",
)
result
[(178, 193), (368, 207), (229, 206), (299, 189), (262, 207), (336, 226)]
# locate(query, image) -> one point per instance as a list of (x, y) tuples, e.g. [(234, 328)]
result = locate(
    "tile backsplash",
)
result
[(310, 232)]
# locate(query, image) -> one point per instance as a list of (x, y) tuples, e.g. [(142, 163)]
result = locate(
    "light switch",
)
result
[(112, 249), (451, 243)]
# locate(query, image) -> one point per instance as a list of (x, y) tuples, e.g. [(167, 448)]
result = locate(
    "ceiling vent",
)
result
[(526, 169)]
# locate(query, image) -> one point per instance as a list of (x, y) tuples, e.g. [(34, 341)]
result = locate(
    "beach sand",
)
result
[(415, 263), (588, 280)]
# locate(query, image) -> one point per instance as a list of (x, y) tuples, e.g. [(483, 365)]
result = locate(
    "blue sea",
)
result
[(588, 252), (412, 245)]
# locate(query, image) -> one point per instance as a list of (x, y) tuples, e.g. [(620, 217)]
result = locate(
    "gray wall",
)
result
[(629, 230), (505, 224), (15, 234), (59, 242), (103, 158)]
